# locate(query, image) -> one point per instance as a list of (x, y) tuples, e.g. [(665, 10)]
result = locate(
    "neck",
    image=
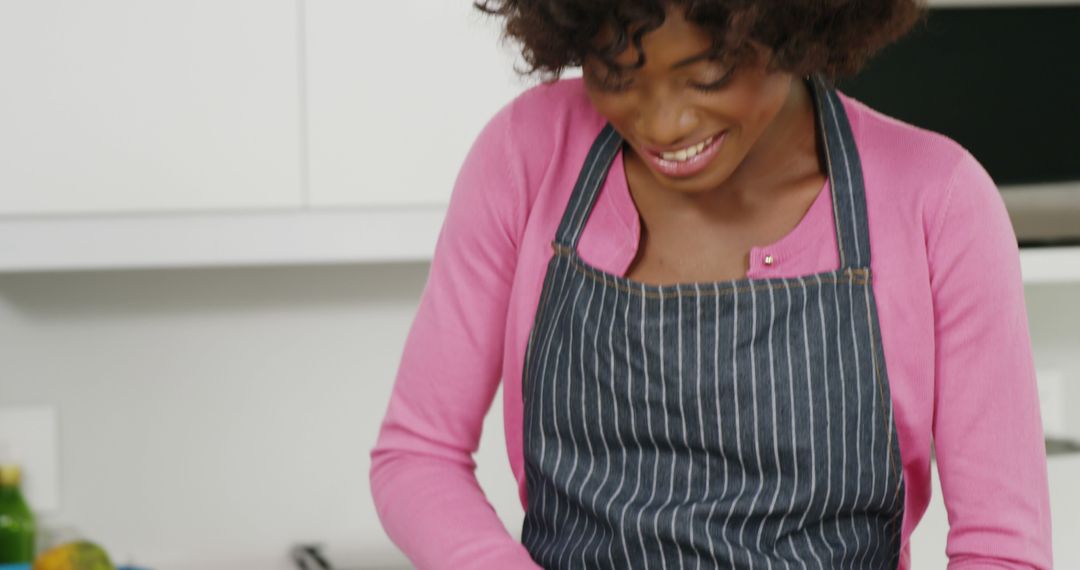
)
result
[(782, 149)]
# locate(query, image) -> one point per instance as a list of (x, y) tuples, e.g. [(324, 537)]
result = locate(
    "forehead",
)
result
[(674, 40)]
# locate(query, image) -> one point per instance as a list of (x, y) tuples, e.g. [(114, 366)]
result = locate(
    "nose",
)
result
[(666, 121)]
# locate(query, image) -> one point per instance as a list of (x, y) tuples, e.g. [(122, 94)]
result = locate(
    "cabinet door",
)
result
[(397, 92), (124, 105)]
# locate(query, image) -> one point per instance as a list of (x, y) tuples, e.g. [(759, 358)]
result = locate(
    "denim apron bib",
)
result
[(732, 424)]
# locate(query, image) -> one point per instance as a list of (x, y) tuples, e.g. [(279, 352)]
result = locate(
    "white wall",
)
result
[(211, 418)]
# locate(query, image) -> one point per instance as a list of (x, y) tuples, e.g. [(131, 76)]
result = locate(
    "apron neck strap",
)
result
[(845, 176), (590, 179), (841, 156)]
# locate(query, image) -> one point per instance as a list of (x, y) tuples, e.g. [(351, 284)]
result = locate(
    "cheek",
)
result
[(755, 101), (619, 111), (753, 111)]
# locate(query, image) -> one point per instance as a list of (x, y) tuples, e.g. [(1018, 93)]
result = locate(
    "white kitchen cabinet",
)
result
[(397, 92), (243, 132), (127, 105)]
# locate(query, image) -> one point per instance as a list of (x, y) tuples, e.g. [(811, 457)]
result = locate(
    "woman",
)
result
[(668, 263)]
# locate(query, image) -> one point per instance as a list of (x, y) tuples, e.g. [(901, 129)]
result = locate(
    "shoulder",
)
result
[(522, 144), (546, 113), (550, 104), (889, 143), (909, 168), (547, 123), (537, 134)]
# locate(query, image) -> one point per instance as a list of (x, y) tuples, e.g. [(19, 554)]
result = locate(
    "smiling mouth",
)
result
[(687, 153), (687, 161)]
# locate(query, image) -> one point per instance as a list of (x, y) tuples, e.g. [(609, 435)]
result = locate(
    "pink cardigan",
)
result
[(946, 275)]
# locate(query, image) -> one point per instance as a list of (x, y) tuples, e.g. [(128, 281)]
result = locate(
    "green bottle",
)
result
[(16, 522)]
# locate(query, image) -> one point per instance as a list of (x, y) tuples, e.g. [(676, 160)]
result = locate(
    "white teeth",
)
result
[(686, 153)]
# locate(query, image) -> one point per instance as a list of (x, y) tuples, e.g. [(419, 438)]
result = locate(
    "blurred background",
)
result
[(214, 234)]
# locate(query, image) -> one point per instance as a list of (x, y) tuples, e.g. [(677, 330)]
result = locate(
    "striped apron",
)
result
[(732, 424)]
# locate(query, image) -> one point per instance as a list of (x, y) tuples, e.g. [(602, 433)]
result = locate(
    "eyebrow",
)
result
[(708, 54), (704, 55)]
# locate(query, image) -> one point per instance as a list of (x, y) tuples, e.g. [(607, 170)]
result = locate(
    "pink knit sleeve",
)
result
[(988, 435), (422, 471)]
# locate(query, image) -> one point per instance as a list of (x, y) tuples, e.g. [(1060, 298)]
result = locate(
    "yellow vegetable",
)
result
[(74, 556)]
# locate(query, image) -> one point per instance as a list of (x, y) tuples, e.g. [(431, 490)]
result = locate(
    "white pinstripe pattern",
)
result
[(794, 437), (667, 439), (580, 380), (738, 436), (630, 408), (555, 415), (559, 262), (757, 441), (648, 428), (600, 422), (837, 189), (771, 502), (682, 415), (775, 431), (550, 539), (854, 219), (573, 436), (576, 206), (633, 427), (873, 447), (889, 443), (618, 432), (843, 431), (828, 419), (860, 386), (810, 409), (581, 207), (719, 428), (568, 530), (701, 426)]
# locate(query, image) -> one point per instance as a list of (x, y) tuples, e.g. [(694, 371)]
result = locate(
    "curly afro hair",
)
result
[(833, 38)]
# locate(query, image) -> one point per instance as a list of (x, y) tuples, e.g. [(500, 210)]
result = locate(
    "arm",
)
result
[(987, 428), (422, 471)]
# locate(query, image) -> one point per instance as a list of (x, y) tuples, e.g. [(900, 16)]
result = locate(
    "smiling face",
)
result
[(691, 120)]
